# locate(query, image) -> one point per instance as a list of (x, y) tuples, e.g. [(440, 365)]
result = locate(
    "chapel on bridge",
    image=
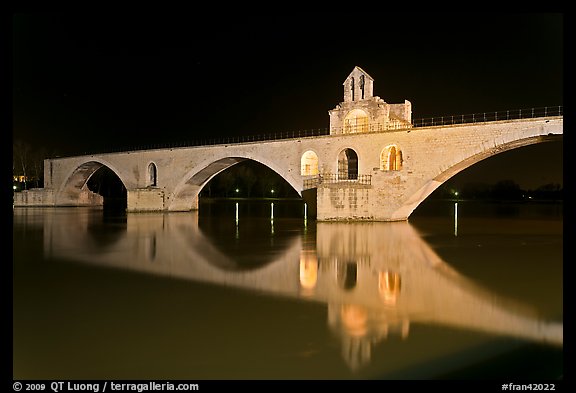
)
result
[(362, 111)]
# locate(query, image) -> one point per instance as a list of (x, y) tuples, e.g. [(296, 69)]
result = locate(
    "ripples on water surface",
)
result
[(255, 292)]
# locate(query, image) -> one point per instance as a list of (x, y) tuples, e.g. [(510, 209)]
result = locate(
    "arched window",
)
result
[(355, 121), (352, 87), (152, 175), (348, 165), (309, 164), (391, 159)]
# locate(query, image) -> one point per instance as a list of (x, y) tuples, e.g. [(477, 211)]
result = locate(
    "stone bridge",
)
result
[(374, 165)]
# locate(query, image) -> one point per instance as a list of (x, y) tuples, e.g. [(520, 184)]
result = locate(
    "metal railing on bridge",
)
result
[(549, 111), (334, 178)]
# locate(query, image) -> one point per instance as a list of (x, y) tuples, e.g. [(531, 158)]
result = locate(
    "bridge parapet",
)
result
[(369, 127)]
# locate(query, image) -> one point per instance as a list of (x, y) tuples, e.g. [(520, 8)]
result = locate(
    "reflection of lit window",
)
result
[(308, 269), (354, 319), (389, 286), (346, 274)]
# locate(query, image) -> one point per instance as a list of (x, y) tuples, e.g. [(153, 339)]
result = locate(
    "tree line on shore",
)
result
[(507, 190)]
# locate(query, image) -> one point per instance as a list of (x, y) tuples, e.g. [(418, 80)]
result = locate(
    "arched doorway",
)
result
[(309, 164), (391, 159), (347, 165), (356, 121)]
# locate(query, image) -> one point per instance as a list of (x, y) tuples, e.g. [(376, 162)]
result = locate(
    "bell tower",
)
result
[(358, 86)]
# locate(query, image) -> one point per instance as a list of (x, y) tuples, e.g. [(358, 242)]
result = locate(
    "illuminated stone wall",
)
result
[(147, 199), (430, 156)]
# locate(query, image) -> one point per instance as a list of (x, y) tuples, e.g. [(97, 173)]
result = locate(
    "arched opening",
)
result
[(309, 164), (509, 175), (246, 179), (352, 88), (391, 159), (347, 165), (356, 121), (106, 183), (152, 175)]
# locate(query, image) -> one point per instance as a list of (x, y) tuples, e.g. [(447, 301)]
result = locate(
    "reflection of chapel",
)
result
[(361, 111)]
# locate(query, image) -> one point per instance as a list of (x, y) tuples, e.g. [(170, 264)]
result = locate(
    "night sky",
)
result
[(83, 82)]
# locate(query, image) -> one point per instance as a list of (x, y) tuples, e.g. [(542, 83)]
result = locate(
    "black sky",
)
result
[(82, 82)]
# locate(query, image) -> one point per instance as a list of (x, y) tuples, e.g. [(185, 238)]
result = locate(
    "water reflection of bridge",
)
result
[(376, 278)]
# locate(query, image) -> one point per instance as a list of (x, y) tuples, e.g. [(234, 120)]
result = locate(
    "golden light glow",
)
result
[(308, 270), (309, 164), (391, 158), (389, 286), (354, 319), (356, 121)]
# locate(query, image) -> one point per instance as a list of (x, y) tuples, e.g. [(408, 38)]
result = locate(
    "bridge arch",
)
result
[(185, 194), (515, 144), (414, 200), (74, 189)]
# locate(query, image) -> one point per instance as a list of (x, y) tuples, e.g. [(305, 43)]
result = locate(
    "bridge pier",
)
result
[(145, 199), (344, 203), (34, 197), (42, 197), (374, 197)]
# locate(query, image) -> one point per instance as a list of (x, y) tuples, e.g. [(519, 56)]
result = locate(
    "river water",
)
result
[(257, 290)]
